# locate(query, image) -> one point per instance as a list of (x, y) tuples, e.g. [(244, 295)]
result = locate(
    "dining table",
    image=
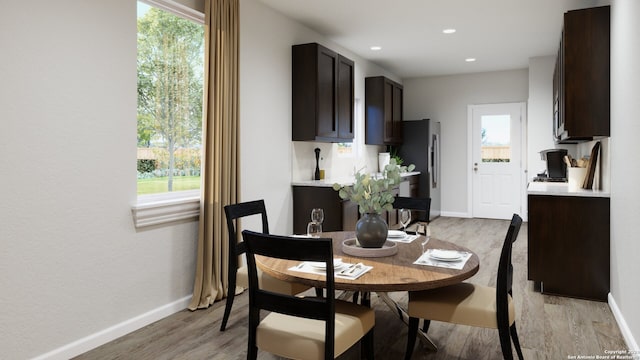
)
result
[(394, 273)]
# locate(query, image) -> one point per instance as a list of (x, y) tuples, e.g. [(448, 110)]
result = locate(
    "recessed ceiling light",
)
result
[(470, 59), (376, 48), (449, 31)]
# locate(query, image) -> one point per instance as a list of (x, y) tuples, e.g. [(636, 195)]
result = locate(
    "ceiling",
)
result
[(499, 34)]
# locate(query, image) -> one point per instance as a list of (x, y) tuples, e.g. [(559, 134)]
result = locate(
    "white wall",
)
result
[(269, 159), (624, 147), (72, 264), (445, 99)]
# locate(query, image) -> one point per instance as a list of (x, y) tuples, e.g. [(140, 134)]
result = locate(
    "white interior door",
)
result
[(496, 159)]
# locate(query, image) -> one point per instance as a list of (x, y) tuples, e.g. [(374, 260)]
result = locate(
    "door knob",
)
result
[(475, 167)]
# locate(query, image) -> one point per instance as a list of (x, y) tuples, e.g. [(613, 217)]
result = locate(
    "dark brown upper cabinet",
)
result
[(322, 95), (581, 90), (383, 111)]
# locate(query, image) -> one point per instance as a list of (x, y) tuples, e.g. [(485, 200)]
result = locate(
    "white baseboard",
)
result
[(92, 341), (455, 214), (622, 324)]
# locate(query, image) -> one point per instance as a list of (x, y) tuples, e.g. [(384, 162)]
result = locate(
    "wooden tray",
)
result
[(350, 247)]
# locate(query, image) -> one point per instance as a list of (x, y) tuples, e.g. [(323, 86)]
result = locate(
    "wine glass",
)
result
[(427, 237), (314, 229), (317, 215), (405, 218)]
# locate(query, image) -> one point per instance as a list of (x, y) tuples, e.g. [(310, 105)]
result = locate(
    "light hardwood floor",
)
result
[(549, 327)]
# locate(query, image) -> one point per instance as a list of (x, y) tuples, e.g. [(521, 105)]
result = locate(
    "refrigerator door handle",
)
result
[(435, 163)]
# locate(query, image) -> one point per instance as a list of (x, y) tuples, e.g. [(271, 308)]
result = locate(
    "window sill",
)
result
[(166, 208)]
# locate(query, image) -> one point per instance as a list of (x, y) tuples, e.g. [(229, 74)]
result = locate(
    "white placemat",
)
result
[(428, 260), (406, 239), (347, 271)]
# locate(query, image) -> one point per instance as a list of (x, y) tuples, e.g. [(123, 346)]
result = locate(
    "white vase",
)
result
[(383, 160)]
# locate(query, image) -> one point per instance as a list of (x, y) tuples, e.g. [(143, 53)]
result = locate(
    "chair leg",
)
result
[(411, 337), (425, 325), (516, 342), (356, 295), (227, 310), (319, 292), (366, 345), (231, 293), (505, 342)]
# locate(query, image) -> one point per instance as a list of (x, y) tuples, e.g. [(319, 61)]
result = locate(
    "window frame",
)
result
[(169, 207)]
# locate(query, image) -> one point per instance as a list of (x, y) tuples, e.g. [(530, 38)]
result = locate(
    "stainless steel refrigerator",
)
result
[(421, 147)]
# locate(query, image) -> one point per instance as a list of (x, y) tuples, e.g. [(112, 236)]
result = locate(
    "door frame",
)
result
[(523, 156)]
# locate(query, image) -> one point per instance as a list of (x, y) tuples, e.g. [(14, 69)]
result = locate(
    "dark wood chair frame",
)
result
[(237, 248), (503, 289), (318, 307), (421, 205)]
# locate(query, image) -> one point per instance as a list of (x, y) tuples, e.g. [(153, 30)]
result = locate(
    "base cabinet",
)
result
[(339, 214), (568, 249)]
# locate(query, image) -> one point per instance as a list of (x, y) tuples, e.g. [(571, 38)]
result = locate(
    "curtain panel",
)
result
[(220, 183)]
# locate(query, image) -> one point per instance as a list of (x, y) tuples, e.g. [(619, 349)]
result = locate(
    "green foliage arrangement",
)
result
[(374, 193)]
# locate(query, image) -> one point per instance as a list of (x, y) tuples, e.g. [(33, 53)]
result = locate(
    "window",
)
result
[(170, 94), (496, 138)]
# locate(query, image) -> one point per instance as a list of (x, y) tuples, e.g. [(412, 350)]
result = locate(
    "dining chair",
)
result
[(238, 275), (420, 205), (307, 328), (471, 304)]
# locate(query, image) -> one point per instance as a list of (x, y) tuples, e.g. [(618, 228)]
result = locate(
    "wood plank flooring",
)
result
[(549, 327)]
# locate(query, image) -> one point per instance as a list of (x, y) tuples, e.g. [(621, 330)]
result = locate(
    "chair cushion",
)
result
[(268, 282), (463, 303), (299, 338)]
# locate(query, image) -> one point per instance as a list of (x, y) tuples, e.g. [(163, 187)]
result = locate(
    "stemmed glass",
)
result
[(405, 218), (317, 215), (314, 228), (427, 237)]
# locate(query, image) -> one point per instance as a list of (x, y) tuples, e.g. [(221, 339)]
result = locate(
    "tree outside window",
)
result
[(170, 94)]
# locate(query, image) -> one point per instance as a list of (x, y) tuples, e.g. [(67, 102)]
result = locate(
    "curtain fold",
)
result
[(220, 184)]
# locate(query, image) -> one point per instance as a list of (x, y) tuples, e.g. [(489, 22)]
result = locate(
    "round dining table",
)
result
[(390, 273)]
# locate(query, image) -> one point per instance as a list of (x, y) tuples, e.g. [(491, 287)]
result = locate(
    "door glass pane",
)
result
[(496, 138)]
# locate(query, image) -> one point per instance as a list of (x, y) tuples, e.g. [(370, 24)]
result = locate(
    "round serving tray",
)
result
[(350, 247)]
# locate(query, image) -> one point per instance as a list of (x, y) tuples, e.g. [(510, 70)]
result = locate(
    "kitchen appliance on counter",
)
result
[(556, 167), (421, 147)]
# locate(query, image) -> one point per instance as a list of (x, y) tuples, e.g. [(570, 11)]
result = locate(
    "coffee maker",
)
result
[(556, 167)]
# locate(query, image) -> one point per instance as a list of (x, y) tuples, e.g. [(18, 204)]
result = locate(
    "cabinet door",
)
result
[(327, 122), (345, 98), (350, 215), (383, 111), (585, 75), (396, 114)]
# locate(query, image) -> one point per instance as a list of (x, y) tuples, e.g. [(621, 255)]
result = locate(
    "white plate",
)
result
[(337, 264), (396, 234), (445, 255)]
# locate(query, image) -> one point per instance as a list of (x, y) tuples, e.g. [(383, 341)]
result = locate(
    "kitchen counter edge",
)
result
[(342, 180), (562, 189)]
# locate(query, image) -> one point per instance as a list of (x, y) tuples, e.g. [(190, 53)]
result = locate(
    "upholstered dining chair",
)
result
[(314, 328), (238, 275), (471, 304)]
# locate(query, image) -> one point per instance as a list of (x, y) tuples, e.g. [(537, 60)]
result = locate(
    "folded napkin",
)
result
[(450, 259), (344, 271)]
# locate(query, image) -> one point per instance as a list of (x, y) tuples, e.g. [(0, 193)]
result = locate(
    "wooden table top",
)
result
[(391, 273)]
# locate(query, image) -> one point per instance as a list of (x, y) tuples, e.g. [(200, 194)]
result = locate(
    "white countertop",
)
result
[(348, 180), (562, 189)]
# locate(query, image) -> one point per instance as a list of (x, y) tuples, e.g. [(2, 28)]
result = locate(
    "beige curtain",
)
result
[(220, 171)]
